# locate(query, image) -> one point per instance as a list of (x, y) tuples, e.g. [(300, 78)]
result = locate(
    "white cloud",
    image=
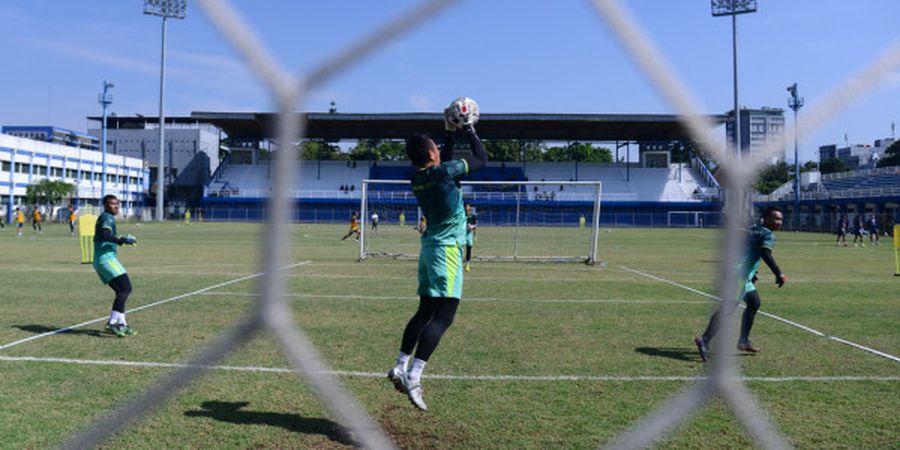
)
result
[(893, 80), (92, 55), (421, 102)]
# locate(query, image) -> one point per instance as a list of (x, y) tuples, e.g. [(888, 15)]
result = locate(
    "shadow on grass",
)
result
[(681, 354), (40, 329), (232, 412)]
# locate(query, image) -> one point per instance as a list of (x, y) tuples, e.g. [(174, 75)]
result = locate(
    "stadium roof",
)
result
[(529, 126)]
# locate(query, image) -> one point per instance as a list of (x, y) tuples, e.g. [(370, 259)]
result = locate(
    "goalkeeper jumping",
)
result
[(436, 186), (108, 267)]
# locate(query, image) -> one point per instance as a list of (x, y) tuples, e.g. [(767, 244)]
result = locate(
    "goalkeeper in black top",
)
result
[(436, 185)]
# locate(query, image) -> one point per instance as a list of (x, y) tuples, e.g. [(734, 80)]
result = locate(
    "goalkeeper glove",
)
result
[(447, 124), (780, 280), (129, 239)]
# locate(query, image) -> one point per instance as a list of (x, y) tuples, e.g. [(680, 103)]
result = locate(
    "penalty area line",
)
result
[(770, 315), (149, 305), (364, 374), (466, 299)]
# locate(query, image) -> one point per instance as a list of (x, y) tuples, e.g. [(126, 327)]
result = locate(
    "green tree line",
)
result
[(497, 150)]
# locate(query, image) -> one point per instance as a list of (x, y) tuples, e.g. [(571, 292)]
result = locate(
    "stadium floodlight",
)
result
[(105, 100), (167, 9), (795, 102), (733, 8)]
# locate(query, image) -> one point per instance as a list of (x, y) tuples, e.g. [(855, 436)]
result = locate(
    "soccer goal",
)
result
[(516, 220)]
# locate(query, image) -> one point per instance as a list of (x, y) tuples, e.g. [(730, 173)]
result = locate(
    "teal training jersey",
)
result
[(438, 192), (104, 250), (471, 219), (759, 238)]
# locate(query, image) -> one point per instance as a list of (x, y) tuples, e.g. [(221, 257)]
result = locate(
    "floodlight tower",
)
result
[(795, 102), (105, 100), (733, 8), (167, 9)]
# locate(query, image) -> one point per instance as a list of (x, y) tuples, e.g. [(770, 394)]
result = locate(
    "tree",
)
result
[(891, 156), (315, 150), (578, 151), (48, 192), (809, 166), (832, 165), (772, 177), (532, 150), (376, 150), (502, 150)]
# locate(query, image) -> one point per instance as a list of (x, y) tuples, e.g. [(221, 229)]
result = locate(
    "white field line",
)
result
[(149, 305), (465, 299), (363, 374), (468, 277), (770, 315)]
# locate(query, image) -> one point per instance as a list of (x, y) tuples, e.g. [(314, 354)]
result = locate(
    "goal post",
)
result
[(517, 220)]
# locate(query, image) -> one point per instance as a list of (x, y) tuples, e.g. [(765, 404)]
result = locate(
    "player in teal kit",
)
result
[(761, 241), (108, 267), (471, 225), (436, 186)]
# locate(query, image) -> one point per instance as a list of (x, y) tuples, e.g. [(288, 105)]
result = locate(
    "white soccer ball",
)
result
[(463, 111)]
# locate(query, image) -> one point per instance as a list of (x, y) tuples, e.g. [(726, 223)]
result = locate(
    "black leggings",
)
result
[(468, 253), (122, 285), (428, 324), (752, 300)]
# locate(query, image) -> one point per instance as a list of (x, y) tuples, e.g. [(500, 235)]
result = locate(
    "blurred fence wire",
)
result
[(271, 314)]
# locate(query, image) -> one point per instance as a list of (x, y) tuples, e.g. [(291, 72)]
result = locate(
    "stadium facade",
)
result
[(192, 151), (26, 160)]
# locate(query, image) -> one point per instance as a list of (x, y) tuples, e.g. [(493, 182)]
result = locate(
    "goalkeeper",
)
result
[(761, 241), (436, 186), (471, 226), (108, 267)]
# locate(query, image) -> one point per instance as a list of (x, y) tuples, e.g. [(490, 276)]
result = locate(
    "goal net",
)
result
[(516, 220)]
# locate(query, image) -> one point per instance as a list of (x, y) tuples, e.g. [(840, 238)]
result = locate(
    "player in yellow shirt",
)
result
[(354, 227), (71, 220), (423, 224), (36, 220), (20, 221)]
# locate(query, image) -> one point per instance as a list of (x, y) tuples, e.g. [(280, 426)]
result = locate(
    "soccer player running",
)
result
[(71, 220), (872, 224), (374, 218), (354, 227), (423, 224), (471, 225), (761, 241), (108, 267), (843, 227), (436, 186), (36, 220), (859, 227), (20, 221)]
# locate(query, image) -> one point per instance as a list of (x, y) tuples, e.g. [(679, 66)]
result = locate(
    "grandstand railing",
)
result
[(861, 173), (550, 195)]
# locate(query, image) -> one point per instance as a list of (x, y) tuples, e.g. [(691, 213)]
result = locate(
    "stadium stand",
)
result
[(325, 178)]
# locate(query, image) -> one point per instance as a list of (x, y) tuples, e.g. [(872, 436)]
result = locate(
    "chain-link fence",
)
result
[(271, 314)]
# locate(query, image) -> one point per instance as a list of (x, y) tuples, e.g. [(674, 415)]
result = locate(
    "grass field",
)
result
[(623, 339)]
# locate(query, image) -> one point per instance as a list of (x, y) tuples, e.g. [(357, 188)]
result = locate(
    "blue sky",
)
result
[(510, 55)]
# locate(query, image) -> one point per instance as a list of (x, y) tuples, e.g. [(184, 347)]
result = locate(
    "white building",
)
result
[(759, 128), (24, 161)]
